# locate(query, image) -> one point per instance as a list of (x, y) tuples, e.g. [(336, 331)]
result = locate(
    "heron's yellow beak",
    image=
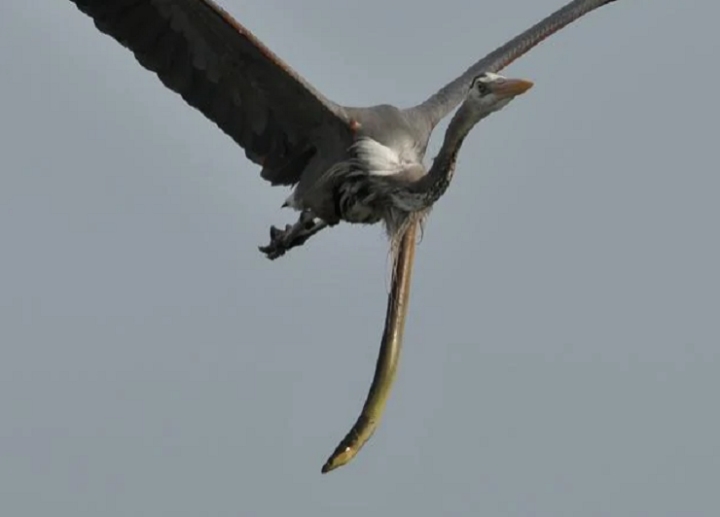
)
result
[(510, 87)]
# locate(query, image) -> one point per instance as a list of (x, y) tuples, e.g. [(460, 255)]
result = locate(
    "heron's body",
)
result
[(359, 165), (384, 142)]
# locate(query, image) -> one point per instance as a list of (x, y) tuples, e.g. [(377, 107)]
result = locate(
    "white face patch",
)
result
[(482, 98), (486, 78), (490, 77)]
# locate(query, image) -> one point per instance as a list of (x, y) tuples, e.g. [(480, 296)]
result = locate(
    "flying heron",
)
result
[(358, 165)]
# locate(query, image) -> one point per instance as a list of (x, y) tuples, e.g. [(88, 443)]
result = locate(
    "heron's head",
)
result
[(491, 92)]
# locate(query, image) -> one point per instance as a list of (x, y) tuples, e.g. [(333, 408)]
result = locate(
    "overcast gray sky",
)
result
[(562, 354)]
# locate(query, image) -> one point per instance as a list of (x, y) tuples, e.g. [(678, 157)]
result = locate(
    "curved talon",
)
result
[(281, 241)]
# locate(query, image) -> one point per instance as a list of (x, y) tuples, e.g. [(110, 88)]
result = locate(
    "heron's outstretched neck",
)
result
[(437, 180), (423, 193)]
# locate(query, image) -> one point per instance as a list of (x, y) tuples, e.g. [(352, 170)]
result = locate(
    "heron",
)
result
[(358, 165)]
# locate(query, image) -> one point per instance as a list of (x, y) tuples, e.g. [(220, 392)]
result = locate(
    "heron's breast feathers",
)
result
[(382, 160)]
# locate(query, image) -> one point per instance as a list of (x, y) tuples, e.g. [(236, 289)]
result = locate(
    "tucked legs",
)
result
[(294, 235)]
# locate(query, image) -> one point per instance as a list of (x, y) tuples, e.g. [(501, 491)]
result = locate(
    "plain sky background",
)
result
[(562, 353)]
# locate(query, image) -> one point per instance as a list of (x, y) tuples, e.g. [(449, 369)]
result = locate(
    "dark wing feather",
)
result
[(199, 51), (447, 98)]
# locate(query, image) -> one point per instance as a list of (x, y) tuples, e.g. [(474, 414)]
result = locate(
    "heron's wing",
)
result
[(199, 51), (389, 355), (448, 97)]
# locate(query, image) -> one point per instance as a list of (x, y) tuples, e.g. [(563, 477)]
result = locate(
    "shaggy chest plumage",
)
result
[(364, 194)]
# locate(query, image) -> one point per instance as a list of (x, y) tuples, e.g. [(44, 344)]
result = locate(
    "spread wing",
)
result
[(199, 51), (447, 98)]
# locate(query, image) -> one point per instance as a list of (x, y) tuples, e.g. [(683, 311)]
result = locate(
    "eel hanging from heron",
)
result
[(345, 164)]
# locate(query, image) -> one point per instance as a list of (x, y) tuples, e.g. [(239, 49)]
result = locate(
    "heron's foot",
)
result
[(281, 241)]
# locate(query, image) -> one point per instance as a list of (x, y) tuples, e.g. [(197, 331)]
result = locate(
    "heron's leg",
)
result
[(294, 235)]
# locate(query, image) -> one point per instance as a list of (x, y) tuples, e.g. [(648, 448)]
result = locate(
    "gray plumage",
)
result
[(297, 135), (395, 189), (359, 165)]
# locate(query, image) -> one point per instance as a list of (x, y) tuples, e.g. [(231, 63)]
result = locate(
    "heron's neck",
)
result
[(434, 184)]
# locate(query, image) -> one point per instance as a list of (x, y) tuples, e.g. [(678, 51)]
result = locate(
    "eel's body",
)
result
[(388, 357)]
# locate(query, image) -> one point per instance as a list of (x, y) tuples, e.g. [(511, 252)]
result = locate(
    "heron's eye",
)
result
[(482, 88)]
